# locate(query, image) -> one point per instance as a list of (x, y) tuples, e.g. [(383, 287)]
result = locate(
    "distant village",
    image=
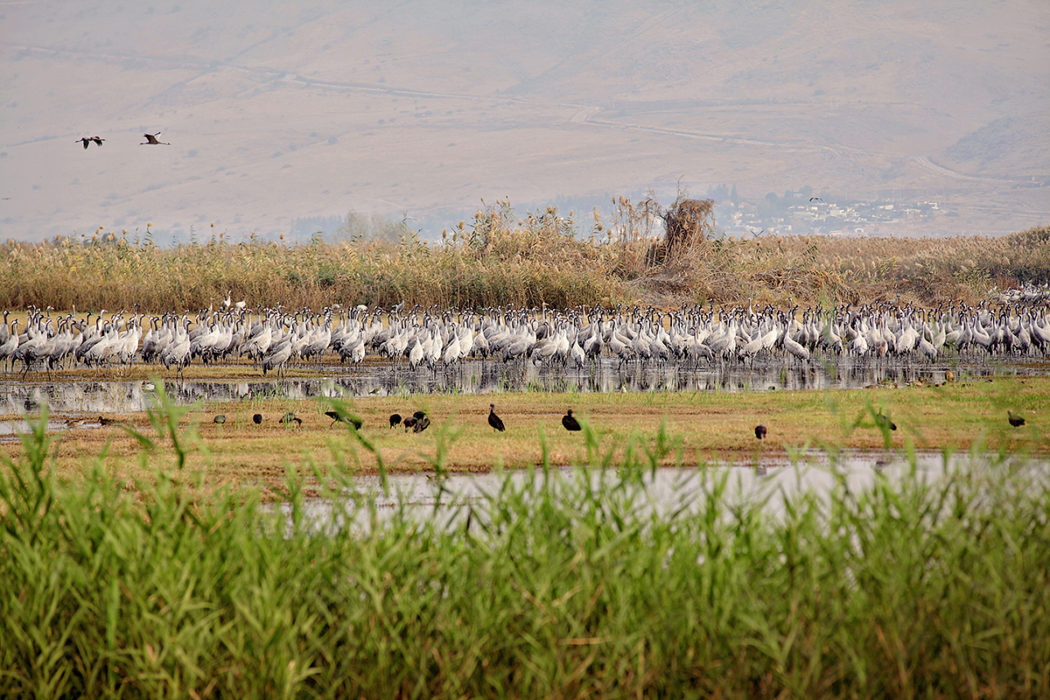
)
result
[(808, 212)]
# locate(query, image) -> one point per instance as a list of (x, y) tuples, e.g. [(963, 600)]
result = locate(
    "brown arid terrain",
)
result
[(311, 111)]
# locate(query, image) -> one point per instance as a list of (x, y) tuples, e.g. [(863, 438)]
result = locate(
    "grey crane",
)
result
[(151, 140)]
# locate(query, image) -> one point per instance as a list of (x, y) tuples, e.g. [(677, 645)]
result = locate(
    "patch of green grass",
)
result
[(709, 426), (551, 587)]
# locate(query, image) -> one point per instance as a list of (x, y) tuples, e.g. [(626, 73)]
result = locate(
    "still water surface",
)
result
[(450, 501), (104, 395)]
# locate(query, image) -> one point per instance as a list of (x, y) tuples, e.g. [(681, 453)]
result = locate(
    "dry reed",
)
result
[(642, 254)]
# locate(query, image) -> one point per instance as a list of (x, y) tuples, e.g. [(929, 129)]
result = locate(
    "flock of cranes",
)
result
[(274, 339)]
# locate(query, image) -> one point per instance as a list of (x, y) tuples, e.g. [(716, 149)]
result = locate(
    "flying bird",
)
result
[(86, 140), (569, 422), (815, 199), (151, 140)]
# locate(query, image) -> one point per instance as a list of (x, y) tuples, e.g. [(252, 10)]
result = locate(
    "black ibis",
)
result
[(569, 422), (495, 421)]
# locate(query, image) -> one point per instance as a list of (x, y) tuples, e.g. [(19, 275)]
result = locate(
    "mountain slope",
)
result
[(278, 111)]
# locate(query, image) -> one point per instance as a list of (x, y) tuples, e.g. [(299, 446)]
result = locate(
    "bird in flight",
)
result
[(151, 140), (86, 140), (815, 199)]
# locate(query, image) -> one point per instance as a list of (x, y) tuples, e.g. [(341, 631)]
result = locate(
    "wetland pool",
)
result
[(661, 492), (113, 395)]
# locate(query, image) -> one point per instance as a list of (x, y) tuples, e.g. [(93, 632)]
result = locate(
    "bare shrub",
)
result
[(631, 235), (688, 222)]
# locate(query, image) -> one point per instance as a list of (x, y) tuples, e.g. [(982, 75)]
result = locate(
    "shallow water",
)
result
[(663, 491), (22, 427), (99, 396)]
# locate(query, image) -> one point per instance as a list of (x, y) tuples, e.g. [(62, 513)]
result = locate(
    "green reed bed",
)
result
[(922, 587)]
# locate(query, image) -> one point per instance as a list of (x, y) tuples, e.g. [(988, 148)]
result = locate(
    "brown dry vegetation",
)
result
[(540, 258)]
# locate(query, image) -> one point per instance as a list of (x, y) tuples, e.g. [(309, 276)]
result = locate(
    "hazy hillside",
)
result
[(280, 111)]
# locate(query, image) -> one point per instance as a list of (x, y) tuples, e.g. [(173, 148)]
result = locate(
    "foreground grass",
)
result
[(501, 258), (927, 587), (695, 427)]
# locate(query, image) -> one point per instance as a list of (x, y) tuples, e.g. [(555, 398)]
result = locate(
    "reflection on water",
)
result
[(114, 396)]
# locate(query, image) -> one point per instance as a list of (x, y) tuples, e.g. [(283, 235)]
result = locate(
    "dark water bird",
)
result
[(337, 418), (495, 421), (418, 422), (86, 140), (151, 140), (395, 419), (760, 432), (569, 422), (883, 421), (289, 418), (105, 421), (257, 419), (220, 419), (1015, 420)]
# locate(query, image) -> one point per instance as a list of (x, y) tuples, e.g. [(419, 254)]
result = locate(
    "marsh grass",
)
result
[(710, 427), (542, 257), (931, 586)]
